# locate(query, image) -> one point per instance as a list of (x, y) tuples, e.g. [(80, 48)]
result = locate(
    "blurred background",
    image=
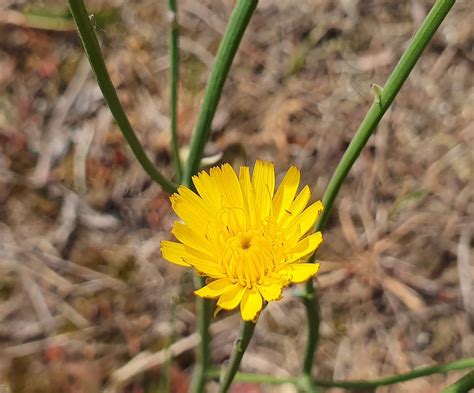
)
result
[(86, 301)]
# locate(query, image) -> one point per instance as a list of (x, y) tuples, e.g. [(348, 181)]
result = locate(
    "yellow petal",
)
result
[(180, 254), (286, 192), (231, 187), (299, 272), (191, 208), (296, 207), (248, 196), (306, 220), (305, 247), (214, 289), (251, 305), (206, 267), (263, 182), (227, 184), (231, 211), (271, 292), (174, 252), (231, 298), (208, 190), (192, 239)]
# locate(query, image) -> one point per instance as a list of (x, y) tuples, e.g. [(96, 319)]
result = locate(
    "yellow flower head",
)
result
[(248, 239)]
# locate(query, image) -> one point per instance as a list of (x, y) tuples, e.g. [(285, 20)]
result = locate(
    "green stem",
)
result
[(462, 385), (383, 102), (203, 308), (246, 333), (311, 304), (174, 78), (362, 384), (94, 53), (46, 22), (238, 22), (380, 105), (393, 379), (215, 374)]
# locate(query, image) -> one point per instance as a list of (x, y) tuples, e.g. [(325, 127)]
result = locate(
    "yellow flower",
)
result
[(249, 240)]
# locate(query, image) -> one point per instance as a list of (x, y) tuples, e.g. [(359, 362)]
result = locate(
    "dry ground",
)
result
[(83, 288)]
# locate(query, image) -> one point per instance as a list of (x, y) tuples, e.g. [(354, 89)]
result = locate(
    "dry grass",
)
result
[(83, 290)]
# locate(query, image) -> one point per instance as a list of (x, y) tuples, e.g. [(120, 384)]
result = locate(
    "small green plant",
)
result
[(250, 261)]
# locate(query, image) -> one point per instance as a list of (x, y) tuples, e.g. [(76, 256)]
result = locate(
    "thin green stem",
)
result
[(238, 23), (380, 105), (203, 308), (311, 304), (96, 59), (363, 384), (215, 374), (393, 379), (462, 385), (174, 78), (383, 101), (47, 22), (246, 333)]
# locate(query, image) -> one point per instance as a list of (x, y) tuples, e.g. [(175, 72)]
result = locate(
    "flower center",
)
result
[(245, 241), (248, 258)]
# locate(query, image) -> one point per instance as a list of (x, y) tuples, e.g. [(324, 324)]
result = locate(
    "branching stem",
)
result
[(96, 59), (238, 23), (380, 105), (246, 333)]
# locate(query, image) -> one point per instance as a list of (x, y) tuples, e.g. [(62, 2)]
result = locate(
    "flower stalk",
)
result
[(382, 102), (96, 59), (311, 303), (174, 78), (203, 309), (238, 23), (229, 372), (228, 47)]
